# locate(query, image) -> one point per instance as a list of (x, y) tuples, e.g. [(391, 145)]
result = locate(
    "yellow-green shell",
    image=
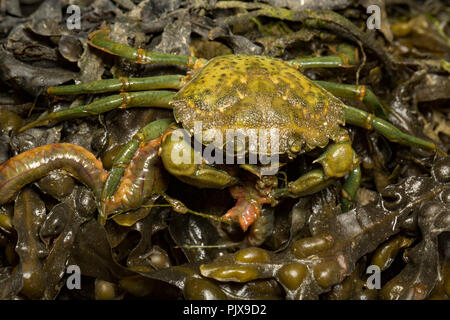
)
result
[(255, 92)]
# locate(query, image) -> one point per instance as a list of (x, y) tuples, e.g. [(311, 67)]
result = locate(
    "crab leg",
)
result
[(188, 165), (350, 188), (121, 84), (366, 120), (309, 183), (337, 160), (332, 61), (100, 39), (361, 93), (159, 99), (346, 56)]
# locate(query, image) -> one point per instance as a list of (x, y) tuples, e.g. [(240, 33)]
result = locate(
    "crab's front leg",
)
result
[(188, 165), (338, 160)]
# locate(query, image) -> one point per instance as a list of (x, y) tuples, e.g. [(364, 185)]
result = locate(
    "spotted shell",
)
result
[(256, 94)]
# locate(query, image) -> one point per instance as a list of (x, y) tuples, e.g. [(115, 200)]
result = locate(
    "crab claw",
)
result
[(248, 205)]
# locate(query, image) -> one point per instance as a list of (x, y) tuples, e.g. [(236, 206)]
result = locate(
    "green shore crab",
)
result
[(225, 93)]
